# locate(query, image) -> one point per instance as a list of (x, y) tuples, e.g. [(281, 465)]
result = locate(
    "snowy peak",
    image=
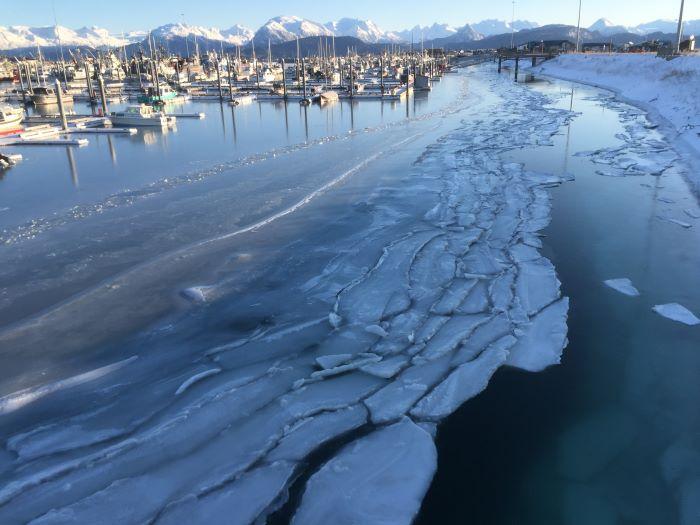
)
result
[(285, 28), (466, 33), (606, 28), (492, 27), (365, 30), (427, 32), (237, 35), (15, 37)]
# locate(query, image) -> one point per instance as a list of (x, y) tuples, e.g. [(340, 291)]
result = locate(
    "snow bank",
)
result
[(667, 89)]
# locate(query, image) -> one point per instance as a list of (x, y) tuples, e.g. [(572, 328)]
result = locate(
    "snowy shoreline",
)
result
[(661, 88)]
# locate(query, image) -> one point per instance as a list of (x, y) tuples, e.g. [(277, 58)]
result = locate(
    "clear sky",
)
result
[(128, 15)]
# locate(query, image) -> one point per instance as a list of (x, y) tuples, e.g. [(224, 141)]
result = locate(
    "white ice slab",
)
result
[(623, 286), (378, 479), (465, 382), (241, 503), (677, 312), (543, 340)]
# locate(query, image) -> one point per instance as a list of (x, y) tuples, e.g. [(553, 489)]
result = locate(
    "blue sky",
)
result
[(127, 15)]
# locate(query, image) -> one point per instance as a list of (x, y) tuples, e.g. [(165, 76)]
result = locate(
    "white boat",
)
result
[(141, 115), (10, 118), (325, 97), (45, 96)]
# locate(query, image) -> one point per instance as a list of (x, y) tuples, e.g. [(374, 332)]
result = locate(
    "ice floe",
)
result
[(677, 312), (623, 285), (380, 478)]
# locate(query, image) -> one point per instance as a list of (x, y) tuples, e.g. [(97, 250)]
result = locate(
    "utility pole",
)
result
[(680, 28), (512, 28), (578, 27)]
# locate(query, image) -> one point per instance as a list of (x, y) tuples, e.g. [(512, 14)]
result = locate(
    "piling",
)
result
[(303, 80), (352, 81), (381, 72), (88, 79), (230, 84), (534, 61), (21, 83), (103, 97), (284, 80), (29, 78), (517, 67), (218, 79), (61, 109), (500, 63)]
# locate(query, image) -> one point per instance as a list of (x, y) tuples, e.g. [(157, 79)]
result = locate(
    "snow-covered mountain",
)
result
[(15, 37), (427, 32), (365, 30), (285, 28), (606, 28), (497, 27), (237, 35), (657, 26), (463, 35)]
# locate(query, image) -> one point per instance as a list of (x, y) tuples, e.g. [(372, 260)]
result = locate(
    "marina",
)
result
[(347, 273)]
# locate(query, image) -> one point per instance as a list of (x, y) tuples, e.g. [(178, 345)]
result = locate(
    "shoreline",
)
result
[(688, 151)]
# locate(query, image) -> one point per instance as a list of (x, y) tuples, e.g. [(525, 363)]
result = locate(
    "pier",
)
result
[(517, 57)]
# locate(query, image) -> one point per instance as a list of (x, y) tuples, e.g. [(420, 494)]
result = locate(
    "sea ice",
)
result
[(242, 502), (379, 479), (537, 285), (683, 224), (465, 382), (623, 286), (677, 312), (310, 433), (542, 340)]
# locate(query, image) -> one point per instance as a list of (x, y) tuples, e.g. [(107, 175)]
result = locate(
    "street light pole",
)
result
[(680, 28), (578, 27), (512, 28)]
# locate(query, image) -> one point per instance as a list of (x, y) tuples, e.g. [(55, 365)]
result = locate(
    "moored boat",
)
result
[(141, 115), (157, 94), (45, 96), (10, 119)]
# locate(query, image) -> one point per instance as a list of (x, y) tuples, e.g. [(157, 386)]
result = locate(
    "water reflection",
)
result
[(223, 119), (306, 121), (233, 121), (72, 166), (112, 151), (52, 109), (139, 161)]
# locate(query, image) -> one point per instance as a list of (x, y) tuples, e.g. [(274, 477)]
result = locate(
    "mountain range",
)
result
[(283, 29)]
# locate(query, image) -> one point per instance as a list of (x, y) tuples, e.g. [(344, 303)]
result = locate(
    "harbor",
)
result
[(352, 271)]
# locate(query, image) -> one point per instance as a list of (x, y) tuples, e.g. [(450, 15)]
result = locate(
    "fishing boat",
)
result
[(141, 115), (46, 96), (10, 119), (157, 94), (422, 83), (326, 97)]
